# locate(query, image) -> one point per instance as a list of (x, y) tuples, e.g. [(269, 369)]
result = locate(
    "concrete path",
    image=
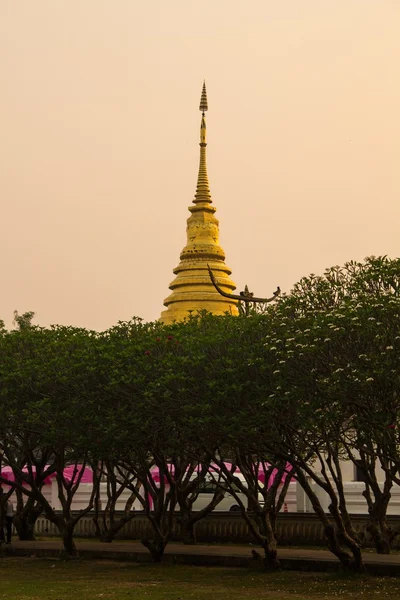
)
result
[(202, 554)]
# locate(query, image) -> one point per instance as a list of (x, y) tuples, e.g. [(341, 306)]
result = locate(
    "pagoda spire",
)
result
[(203, 100), (203, 193), (192, 289)]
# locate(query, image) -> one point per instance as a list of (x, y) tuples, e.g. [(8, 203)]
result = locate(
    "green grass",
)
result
[(49, 579)]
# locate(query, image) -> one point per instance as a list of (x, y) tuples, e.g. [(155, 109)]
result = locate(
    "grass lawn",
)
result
[(49, 579)]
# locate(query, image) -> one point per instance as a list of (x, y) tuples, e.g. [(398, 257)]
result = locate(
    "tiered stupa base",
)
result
[(192, 290)]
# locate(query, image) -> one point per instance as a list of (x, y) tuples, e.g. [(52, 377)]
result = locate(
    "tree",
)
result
[(148, 400), (334, 349), (27, 509), (228, 427), (365, 383), (47, 378), (308, 432)]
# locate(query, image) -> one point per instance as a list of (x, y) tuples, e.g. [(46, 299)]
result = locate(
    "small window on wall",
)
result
[(359, 473)]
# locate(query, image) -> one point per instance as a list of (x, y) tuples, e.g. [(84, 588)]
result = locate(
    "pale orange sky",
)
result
[(99, 147)]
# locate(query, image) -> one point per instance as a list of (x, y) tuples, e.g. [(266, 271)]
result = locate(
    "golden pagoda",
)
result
[(192, 289)]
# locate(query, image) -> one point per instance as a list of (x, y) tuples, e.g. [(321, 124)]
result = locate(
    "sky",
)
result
[(99, 131)]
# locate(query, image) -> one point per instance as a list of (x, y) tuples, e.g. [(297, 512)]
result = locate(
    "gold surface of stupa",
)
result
[(192, 289)]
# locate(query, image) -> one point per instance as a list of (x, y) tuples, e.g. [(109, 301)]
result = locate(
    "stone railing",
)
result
[(292, 528)]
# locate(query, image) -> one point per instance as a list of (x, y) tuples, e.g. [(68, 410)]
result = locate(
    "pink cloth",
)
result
[(261, 474), (8, 474), (87, 476)]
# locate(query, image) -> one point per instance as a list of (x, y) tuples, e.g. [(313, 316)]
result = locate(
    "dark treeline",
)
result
[(300, 387)]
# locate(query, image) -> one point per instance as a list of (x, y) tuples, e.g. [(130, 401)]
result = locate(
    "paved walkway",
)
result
[(202, 554)]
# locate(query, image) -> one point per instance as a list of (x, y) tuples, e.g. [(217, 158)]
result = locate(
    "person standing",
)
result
[(9, 520), (2, 515)]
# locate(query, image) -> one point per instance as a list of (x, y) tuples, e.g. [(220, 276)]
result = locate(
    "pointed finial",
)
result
[(203, 101)]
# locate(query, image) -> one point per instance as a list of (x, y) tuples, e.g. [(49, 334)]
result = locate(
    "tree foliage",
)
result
[(296, 390)]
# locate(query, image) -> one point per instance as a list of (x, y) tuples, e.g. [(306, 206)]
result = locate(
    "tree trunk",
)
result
[(97, 530), (67, 534), (350, 562), (25, 528), (382, 535), (262, 529), (107, 535), (155, 547), (69, 544), (346, 549), (271, 557), (269, 546), (187, 519), (25, 521), (188, 531)]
